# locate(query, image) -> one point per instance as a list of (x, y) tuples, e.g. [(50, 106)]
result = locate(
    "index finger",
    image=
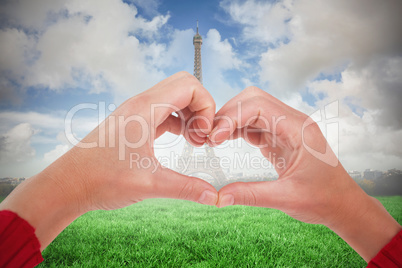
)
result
[(256, 109), (178, 92)]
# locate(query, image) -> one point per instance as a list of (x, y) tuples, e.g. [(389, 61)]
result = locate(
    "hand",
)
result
[(312, 185), (96, 174), (125, 170), (303, 189)]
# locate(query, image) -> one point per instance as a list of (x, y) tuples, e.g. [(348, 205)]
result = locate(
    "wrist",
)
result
[(48, 201), (363, 223), (68, 182)]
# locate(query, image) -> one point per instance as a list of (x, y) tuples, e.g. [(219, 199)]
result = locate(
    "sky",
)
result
[(311, 54)]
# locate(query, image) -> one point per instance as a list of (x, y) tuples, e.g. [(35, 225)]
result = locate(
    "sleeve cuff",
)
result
[(19, 245), (390, 255)]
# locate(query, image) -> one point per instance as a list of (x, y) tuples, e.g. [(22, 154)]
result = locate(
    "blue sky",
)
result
[(55, 55)]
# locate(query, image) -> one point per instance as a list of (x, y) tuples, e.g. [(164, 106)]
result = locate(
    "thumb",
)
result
[(270, 194), (170, 184)]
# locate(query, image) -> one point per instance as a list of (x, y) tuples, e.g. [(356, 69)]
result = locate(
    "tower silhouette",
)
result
[(197, 42), (207, 163)]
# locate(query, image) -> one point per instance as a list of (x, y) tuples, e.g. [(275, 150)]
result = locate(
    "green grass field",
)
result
[(173, 233)]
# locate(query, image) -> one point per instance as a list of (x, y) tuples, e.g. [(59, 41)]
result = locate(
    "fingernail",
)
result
[(202, 126), (219, 136), (227, 200), (208, 198)]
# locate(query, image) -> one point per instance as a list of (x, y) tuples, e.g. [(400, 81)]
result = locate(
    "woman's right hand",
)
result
[(312, 186)]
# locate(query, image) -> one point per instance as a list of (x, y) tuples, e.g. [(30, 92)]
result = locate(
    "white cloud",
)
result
[(15, 145), (90, 44), (50, 128), (177, 54), (357, 40), (375, 88), (16, 52), (13, 44), (326, 35), (364, 145), (261, 21), (38, 120), (219, 53), (218, 57), (369, 119), (317, 36), (21, 132)]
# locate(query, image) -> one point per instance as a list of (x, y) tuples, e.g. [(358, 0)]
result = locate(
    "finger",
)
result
[(256, 108), (170, 184), (192, 132), (270, 194), (192, 122), (185, 114), (259, 138), (176, 126), (251, 135), (177, 94), (194, 139), (172, 124)]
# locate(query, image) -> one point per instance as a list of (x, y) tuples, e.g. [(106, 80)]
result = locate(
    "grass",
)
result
[(174, 233)]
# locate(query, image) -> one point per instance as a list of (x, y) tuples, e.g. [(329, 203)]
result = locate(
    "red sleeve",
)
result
[(390, 255), (19, 246)]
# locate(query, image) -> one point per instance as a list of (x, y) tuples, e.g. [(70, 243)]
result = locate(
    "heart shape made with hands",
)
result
[(278, 130), (251, 126), (287, 138)]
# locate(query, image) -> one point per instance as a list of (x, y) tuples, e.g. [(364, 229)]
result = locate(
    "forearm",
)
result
[(365, 225), (45, 203)]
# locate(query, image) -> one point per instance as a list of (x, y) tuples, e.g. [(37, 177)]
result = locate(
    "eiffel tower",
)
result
[(207, 163)]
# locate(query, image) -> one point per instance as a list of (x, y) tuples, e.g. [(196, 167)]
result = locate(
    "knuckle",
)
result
[(212, 104), (253, 91), (183, 74)]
